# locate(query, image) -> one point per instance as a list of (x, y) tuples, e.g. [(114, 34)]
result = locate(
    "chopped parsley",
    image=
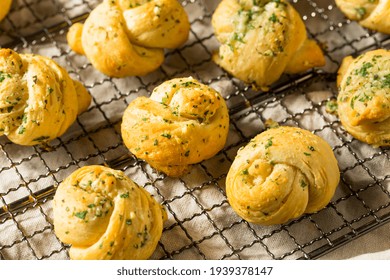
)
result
[(278, 2), (188, 83), (348, 81), (361, 11), (166, 135), (125, 195), (364, 97), (352, 103), (331, 106), (363, 71), (21, 129), (273, 18), (386, 81), (269, 143), (3, 76), (81, 215), (238, 37)]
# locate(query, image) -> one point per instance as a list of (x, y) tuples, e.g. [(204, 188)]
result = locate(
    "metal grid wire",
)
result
[(29, 175)]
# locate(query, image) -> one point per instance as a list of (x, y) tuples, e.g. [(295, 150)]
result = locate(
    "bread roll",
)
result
[(182, 123), (281, 174), (127, 37), (364, 96), (261, 40), (372, 14), (38, 99), (104, 215)]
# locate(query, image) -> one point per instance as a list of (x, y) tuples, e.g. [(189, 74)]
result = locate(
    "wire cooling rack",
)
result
[(29, 175)]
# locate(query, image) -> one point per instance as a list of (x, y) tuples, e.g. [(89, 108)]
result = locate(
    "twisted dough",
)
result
[(5, 6), (364, 97), (105, 215), (372, 14), (38, 99), (281, 174), (261, 40), (127, 37), (182, 123)]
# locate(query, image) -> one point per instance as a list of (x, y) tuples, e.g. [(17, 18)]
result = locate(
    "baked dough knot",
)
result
[(281, 174), (38, 99), (372, 14), (5, 7), (127, 37), (261, 40), (182, 123), (364, 96), (103, 214)]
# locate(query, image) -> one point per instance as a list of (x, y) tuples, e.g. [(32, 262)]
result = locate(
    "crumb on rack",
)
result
[(331, 107)]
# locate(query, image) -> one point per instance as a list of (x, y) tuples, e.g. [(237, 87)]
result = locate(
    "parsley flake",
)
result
[(269, 143), (166, 135), (81, 215), (125, 195)]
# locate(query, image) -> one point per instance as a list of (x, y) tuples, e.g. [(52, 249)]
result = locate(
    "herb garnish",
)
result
[(81, 215)]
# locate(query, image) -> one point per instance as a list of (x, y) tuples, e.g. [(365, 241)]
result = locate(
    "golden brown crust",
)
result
[(105, 215), (372, 14), (74, 37), (281, 174), (182, 123), (157, 24), (127, 37), (260, 40), (308, 56), (38, 99), (5, 7), (364, 97)]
